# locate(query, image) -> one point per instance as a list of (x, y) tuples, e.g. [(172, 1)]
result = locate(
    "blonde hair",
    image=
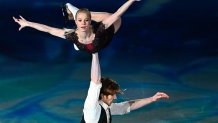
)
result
[(84, 10)]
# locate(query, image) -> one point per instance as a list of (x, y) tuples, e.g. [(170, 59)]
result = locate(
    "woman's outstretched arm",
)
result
[(41, 27)]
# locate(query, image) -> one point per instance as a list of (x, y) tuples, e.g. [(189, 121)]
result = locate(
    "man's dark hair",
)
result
[(109, 87)]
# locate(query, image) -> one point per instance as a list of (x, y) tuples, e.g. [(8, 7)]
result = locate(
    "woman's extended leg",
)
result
[(95, 16)]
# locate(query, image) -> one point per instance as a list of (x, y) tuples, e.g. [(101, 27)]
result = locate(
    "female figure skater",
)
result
[(85, 37)]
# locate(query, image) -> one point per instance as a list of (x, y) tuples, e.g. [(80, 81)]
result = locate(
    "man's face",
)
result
[(108, 99)]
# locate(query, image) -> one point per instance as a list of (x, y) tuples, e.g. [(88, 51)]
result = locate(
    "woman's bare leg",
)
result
[(100, 16)]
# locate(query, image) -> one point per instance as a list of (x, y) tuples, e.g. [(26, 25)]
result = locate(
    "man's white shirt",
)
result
[(92, 108)]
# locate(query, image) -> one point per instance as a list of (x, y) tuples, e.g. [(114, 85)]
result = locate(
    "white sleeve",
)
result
[(92, 109), (120, 108)]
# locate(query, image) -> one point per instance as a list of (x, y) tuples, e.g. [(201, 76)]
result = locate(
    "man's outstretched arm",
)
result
[(136, 104)]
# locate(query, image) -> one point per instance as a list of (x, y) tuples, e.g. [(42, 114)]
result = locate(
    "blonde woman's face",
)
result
[(83, 22)]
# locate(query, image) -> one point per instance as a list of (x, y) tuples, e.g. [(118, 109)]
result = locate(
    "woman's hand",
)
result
[(23, 22)]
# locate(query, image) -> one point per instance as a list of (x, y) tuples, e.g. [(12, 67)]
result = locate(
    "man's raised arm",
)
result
[(95, 69)]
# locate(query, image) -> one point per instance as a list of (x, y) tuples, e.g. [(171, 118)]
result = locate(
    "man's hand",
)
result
[(160, 95)]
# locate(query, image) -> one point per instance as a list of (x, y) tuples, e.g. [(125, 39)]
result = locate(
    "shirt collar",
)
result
[(104, 105)]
